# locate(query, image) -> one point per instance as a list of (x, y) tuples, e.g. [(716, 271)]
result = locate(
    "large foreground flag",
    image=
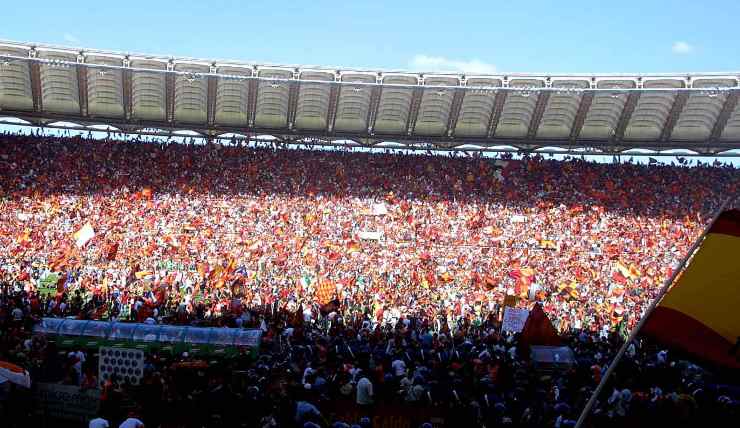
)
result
[(701, 312)]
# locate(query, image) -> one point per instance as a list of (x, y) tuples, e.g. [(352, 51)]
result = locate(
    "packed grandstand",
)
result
[(377, 281)]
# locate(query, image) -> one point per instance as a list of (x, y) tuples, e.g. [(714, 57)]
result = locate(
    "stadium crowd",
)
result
[(378, 277)]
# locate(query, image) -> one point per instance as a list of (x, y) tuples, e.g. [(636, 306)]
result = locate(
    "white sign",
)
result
[(514, 319), (380, 209), (518, 219), (66, 402), (370, 235)]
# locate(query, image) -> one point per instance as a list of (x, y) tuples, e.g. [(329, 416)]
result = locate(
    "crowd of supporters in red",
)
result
[(180, 227), (203, 234)]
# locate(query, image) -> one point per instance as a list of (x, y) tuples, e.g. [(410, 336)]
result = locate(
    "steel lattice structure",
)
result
[(44, 84)]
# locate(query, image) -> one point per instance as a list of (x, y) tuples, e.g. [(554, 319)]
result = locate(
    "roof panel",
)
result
[(15, 81), (272, 99), (313, 101), (104, 88), (148, 90), (232, 96), (562, 107), (477, 108), (732, 128), (354, 103), (395, 104), (518, 108), (434, 110), (696, 121), (59, 90), (191, 94), (652, 110), (606, 108)]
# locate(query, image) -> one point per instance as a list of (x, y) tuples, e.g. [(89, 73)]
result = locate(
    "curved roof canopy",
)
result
[(698, 112)]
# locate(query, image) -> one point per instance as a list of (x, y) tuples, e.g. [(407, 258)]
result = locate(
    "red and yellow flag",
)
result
[(700, 312), (325, 292)]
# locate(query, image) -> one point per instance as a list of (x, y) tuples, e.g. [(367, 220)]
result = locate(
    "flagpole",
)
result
[(633, 334)]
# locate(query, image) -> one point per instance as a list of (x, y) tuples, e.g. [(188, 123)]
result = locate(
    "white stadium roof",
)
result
[(695, 111)]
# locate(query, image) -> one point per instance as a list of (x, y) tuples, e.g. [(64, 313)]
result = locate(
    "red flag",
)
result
[(431, 280), (538, 330), (60, 283), (618, 277), (111, 251)]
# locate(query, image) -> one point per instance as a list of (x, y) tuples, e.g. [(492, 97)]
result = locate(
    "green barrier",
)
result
[(173, 340)]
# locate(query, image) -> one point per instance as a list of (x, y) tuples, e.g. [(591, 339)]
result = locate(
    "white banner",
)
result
[(370, 235), (380, 209), (514, 319), (54, 402), (518, 219)]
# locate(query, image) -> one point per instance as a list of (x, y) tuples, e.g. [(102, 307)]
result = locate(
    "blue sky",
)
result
[(473, 36)]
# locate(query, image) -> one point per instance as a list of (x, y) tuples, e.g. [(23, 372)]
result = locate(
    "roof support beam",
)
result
[(586, 99), (539, 110), (457, 101), (34, 68), (82, 85), (670, 122), (127, 83), (169, 93), (724, 115), (211, 98), (331, 113), (414, 109), (293, 90), (372, 112), (252, 101), (624, 118), (498, 107)]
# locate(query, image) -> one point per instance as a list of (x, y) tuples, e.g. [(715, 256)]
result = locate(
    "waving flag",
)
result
[(538, 330), (82, 236), (325, 292), (700, 313), (15, 374)]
